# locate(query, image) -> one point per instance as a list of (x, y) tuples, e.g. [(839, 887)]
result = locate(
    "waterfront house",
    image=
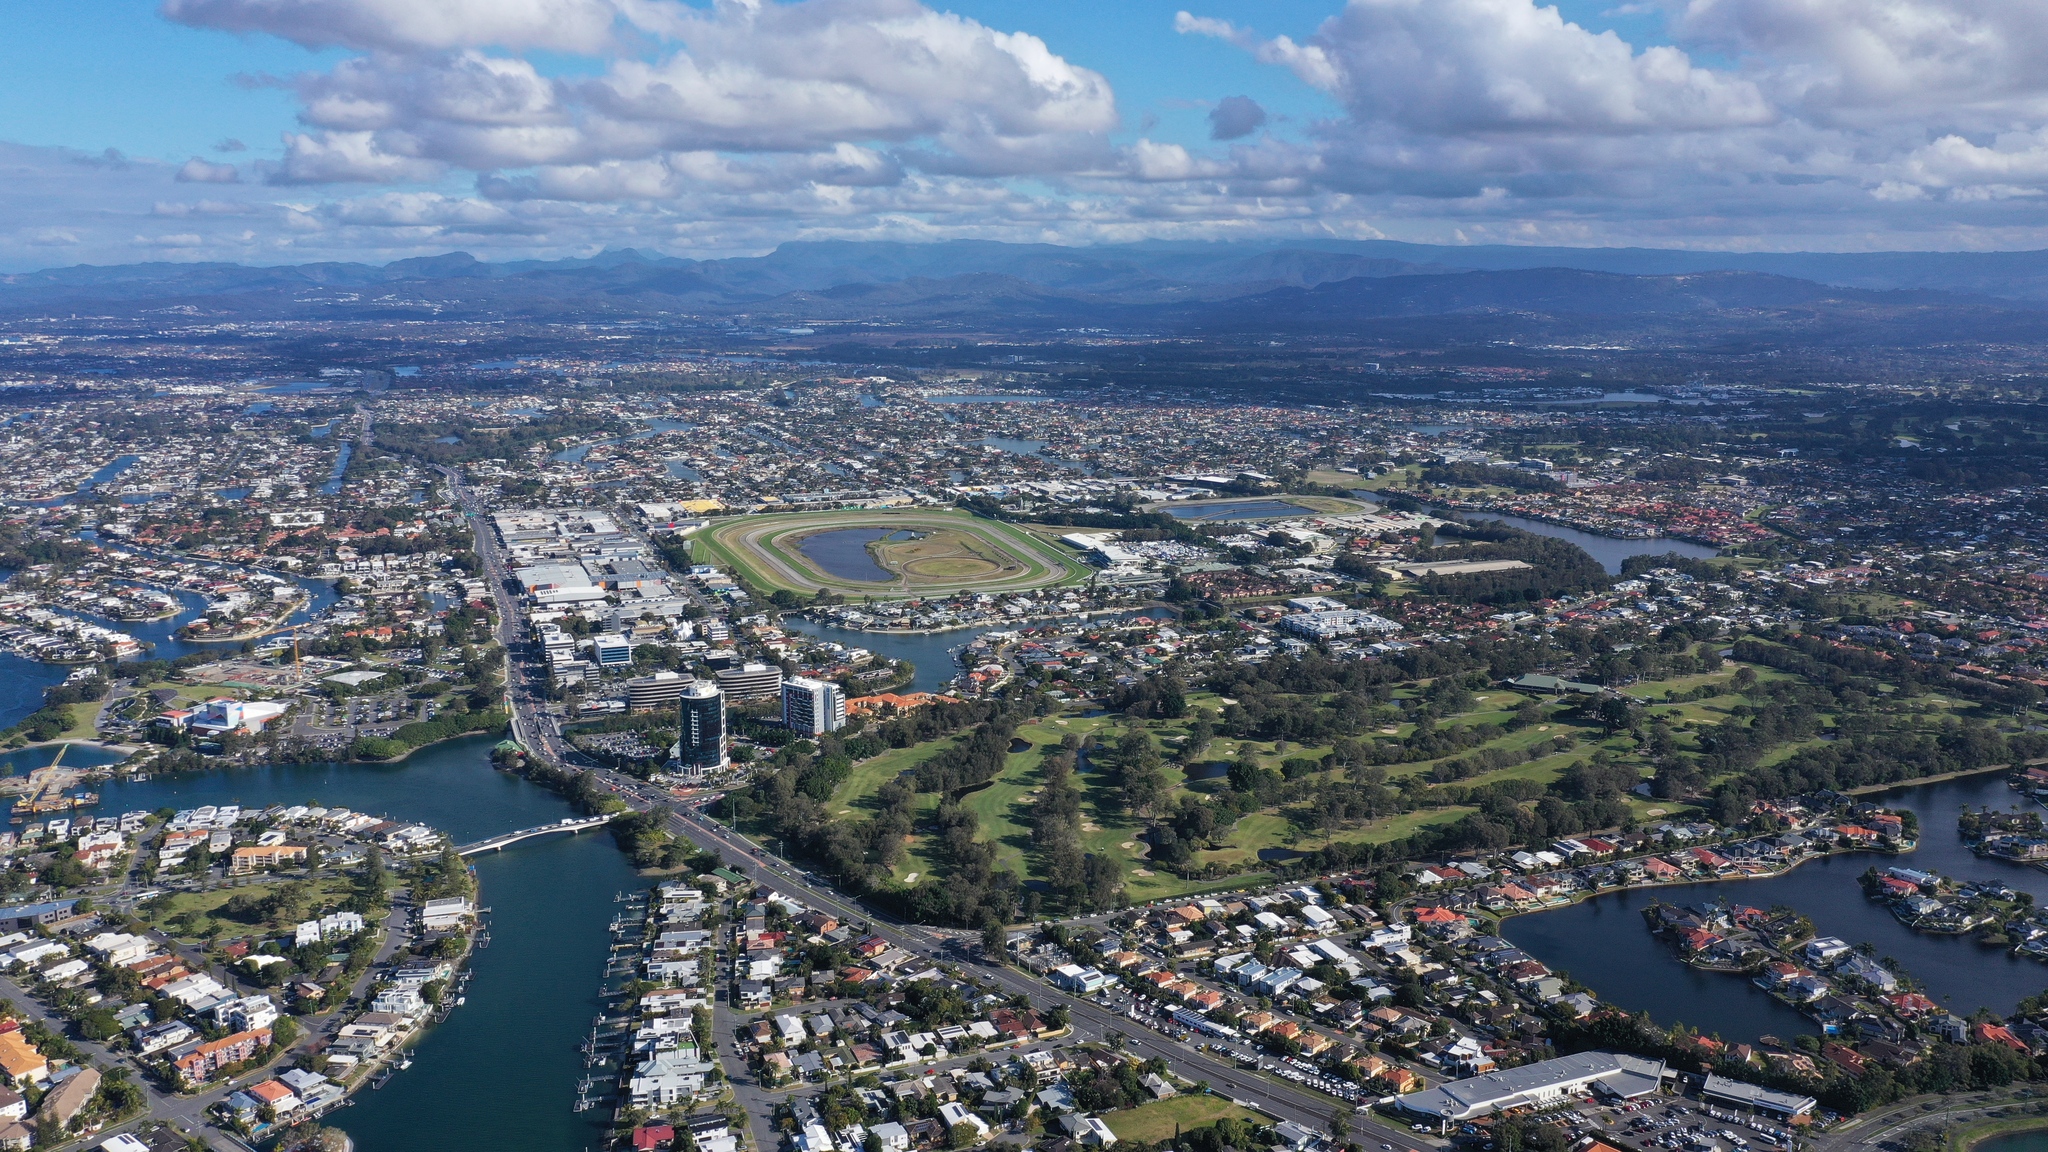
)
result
[(445, 913), (1823, 949)]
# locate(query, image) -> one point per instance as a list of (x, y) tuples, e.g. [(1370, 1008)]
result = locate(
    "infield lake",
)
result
[(843, 552)]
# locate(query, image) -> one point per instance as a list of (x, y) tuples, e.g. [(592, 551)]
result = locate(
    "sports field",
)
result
[(916, 552)]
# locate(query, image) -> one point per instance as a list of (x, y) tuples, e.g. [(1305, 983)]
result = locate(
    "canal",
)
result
[(501, 1072), (1603, 943), (1610, 551), (935, 655)]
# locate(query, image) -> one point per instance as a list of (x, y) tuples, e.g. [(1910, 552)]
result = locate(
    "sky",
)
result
[(291, 131)]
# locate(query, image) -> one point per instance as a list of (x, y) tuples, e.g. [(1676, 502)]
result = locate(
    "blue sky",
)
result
[(116, 74), (374, 129)]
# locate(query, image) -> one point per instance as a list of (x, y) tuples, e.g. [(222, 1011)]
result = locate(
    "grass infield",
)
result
[(940, 551)]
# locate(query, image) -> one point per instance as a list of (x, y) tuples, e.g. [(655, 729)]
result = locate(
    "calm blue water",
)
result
[(259, 408), (871, 402), (1603, 943), (982, 398), (575, 455), (682, 471), (843, 552), (21, 686), (1610, 551), (22, 761), (1013, 445), (333, 485), (501, 1072), (233, 493), (108, 472), (931, 654), (1239, 510)]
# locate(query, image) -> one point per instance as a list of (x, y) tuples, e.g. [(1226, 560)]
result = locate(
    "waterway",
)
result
[(1610, 551), (164, 633), (334, 481), (501, 1072), (1603, 942), (933, 654), (2017, 1142), (22, 761), (1238, 510), (988, 398), (843, 552)]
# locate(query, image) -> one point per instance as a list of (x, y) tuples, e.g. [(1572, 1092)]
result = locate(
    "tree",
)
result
[(1615, 713), (962, 1135), (994, 942)]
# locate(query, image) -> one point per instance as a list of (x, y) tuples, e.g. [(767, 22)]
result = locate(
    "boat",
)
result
[(405, 1062)]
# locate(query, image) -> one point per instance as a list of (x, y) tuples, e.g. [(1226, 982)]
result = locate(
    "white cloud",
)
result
[(197, 171), (1459, 66), (1866, 61), (563, 25), (902, 84), (1808, 108)]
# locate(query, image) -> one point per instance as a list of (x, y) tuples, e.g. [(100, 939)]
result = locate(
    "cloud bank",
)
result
[(729, 127)]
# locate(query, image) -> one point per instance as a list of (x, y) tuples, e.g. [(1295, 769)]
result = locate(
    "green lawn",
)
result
[(329, 892), (1160, 1119), (868, 776)]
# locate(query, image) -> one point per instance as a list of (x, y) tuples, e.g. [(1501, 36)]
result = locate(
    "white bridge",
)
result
[(496, 843)]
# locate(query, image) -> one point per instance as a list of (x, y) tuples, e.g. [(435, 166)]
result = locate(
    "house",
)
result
[(68, 1099), (445, 913), (956, 1113), (1088, 1130), (276, 1096)]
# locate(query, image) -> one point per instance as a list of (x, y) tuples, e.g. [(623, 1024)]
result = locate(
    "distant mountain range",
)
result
[(1309, 288)]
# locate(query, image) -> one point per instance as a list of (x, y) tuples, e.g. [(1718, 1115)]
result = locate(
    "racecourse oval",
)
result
[(922, 552)]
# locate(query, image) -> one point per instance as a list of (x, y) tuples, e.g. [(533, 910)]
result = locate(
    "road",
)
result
[(189, 1113), (525, 686), (1090, 1021), (526, 696)]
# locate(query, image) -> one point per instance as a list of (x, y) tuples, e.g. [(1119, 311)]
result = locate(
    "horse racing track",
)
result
[(913, 552)]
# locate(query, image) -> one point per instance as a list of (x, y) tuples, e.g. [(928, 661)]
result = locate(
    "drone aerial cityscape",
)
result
[(855, 576)]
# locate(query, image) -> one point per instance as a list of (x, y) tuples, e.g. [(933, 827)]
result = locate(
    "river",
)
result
[(1604, 944), (501, 1072), (1610, 551)]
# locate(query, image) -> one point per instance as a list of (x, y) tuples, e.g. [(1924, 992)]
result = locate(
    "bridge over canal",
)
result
[(497, 843)]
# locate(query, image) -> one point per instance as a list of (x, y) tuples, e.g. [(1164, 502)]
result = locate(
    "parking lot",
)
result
[(1676, 1123)]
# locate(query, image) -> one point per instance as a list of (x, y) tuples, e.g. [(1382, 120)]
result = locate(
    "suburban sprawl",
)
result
[(982, 757)]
